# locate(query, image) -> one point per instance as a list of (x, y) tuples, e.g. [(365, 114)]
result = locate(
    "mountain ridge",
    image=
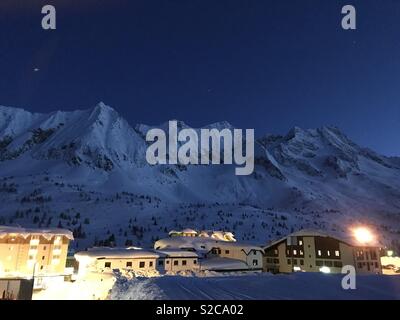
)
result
[(310, 175)]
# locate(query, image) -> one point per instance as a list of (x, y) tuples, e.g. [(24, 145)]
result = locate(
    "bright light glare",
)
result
[(325, 270), (363, 235)]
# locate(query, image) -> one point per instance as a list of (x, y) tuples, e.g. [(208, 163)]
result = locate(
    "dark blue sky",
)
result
[(267, 65)]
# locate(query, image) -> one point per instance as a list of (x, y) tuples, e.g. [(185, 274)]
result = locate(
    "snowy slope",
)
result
[(86, 170)]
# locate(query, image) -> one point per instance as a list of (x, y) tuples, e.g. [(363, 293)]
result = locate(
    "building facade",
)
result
[(139, 260), (312, 251), (252, 256), (24, 252)]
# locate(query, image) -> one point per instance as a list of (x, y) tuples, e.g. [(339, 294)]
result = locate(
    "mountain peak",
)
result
[(102, 107)]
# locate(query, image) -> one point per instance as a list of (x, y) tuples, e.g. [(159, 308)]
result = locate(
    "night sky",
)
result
[(268, 65)]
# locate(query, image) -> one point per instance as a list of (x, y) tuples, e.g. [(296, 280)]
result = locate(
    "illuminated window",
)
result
[(255, 262), (301, 252), (319, 252), (295, 252), (300, 242), (337, 253), (329, 253)]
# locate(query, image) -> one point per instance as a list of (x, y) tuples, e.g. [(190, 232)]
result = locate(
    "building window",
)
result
[(300, 242), (376, 265), (359, 265), (295, 261), (107, 265), (301, 252), (319, 253), (226, 251), (151, 263), (301, 262), (337, 264), (167, 262), (254, 253), (184, 262), (141, 264), (276, 261), (289, 261), (328, 253), (129, 264), (175, 262), (160, 262), (318, 263), (255, 262), (337, 253), (43, 257), (41, 267), (328, 263), (194, 261), (45, 247), (295, 252), (276, 251)]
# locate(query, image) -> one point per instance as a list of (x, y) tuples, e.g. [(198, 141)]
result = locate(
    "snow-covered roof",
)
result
[(106, 252), (178, 253), (317, 233), (26, 232), (200, 244), (220, 264), (187, 230)]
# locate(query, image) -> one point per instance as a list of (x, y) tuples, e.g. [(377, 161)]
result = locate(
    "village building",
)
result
[(217, 235), (33, 252), (146, 261), (313, 251), (221, 255)]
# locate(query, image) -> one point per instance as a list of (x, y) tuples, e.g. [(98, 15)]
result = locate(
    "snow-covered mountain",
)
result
[(86, 170)]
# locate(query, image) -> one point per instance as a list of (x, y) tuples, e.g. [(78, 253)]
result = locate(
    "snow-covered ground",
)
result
[(307, 286)]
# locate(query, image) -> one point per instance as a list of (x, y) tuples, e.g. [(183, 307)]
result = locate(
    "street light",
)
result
[(363, 235)]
